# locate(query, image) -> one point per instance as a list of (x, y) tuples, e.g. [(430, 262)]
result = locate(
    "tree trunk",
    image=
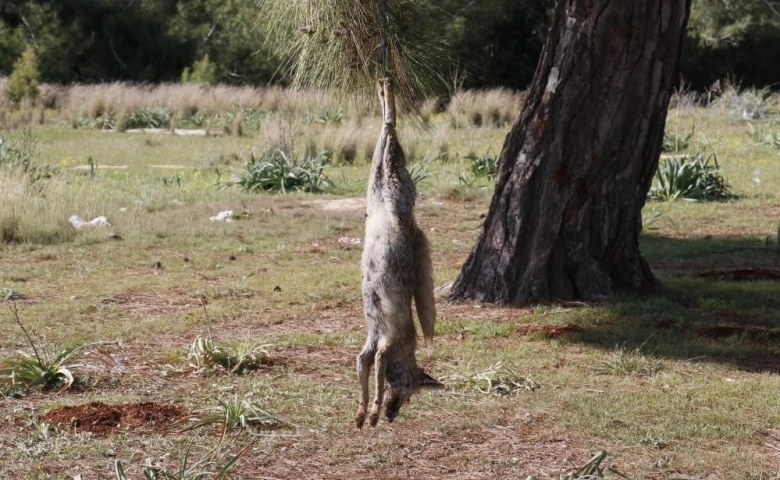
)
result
[(576, 167)]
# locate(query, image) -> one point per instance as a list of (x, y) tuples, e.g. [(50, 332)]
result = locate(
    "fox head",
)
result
[(402, 382)]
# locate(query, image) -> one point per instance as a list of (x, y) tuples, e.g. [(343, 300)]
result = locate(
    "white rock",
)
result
[(224, 216)]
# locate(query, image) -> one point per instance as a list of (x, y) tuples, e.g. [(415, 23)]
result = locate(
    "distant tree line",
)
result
[(495, 42)]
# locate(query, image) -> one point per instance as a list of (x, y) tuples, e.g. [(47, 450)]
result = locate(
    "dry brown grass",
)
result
[(486, 108)]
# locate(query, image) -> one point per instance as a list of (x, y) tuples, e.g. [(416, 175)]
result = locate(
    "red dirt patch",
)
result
[(744, 274), (548, 330), (97, 417)]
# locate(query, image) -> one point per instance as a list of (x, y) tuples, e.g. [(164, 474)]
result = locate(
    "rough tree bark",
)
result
[(576, 167)]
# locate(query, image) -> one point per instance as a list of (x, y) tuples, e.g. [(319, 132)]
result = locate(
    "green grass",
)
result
[(685, 379)]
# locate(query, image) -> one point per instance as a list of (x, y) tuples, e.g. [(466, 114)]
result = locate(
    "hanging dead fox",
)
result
[(396, 268)]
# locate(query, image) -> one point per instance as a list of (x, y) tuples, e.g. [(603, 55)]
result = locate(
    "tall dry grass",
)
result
[(486, 108)]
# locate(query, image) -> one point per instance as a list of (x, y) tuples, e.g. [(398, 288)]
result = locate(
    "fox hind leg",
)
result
[(364, 362)]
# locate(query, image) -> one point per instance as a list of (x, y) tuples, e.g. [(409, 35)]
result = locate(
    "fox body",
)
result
[(396, 268)]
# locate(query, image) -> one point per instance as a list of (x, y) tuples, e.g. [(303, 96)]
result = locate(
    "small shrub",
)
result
[(205, 353), (676, 142), (193, 120), (275, 171), (590, 471), (483, 166), (421, 171), (17, 150), (204, 469), (9, 293), (47, 366), (748, 103), (763, 136), (149, 118), (326, 117), (237, 413), (203, 71), (693, 176), (24, 78), (108, 121)]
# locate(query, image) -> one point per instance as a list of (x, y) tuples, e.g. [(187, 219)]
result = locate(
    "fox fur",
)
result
[(396, 268)]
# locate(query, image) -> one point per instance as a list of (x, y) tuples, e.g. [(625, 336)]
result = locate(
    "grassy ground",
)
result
[(680, 385)]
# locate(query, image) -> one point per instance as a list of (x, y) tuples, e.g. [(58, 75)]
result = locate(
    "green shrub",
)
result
[(203, 71), (17, 149), (675, 142), (275, 171), (23, 82), (764, 136), (484, 166), (693, 176), (205, 353), (149, 118)]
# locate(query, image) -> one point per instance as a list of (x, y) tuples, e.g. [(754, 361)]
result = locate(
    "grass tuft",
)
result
[(237, 414), (276, 171), (498, 380), (625, 363), (238, 358), (690, 176)]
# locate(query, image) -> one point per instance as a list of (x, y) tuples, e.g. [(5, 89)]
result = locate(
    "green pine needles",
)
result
[(345, 45)]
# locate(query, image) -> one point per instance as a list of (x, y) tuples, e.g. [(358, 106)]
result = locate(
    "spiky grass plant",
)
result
[(691, 176), (276, 171), (205, 468), (206, 353), (344, 46), (236, 413), (47, 366), (496, 380), (590, 471)]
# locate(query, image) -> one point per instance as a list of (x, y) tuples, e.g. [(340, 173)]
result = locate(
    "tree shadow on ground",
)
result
[(718, 300)]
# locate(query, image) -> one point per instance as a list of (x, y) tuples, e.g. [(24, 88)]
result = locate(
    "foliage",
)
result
[(629, 363), (345, 46), (748, 103), (484, 166), (9, 293), (590, 471), (497, 380), (690, 176), (764, 136), (675, 141), (203, 71), (149, 118), (204, 469), (17, 150), (236, 413), (275, 171), (732, 38), (47, 366), (490, 42), (421, 171), (24, 79), (205, 353)]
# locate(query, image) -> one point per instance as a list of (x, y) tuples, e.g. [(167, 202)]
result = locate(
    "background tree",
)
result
[(496, 42), (227, 32), (576, 167), (24, 79), (738, 39)]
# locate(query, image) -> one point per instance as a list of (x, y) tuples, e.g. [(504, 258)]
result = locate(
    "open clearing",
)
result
[(679, 385)]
